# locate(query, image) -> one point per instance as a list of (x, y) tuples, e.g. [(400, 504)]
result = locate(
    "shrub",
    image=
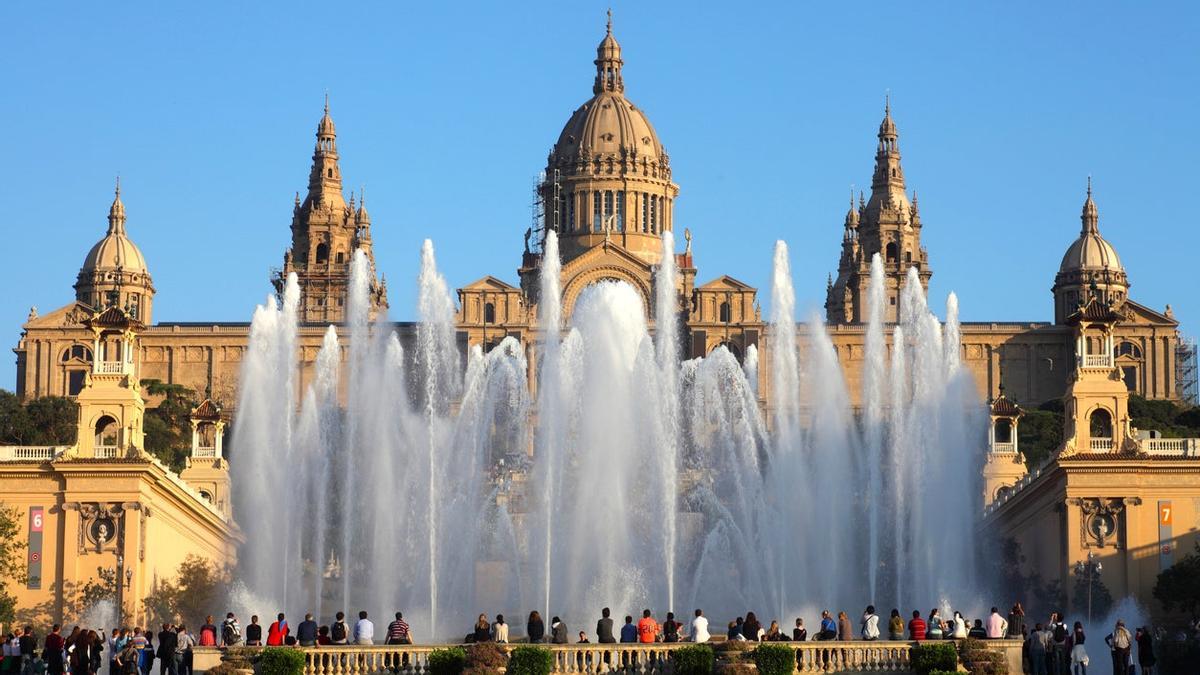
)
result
[(1177, 656), (487, 656), (979, 660), (930, 656), (280, 661), (530, 660), (449, 661), (774, 659), (693, 660)]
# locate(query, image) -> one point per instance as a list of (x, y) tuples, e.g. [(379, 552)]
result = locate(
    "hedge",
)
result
[(280, 661), (449, 661), (693, 660), (774, 659), (530, 660), (931, 656)]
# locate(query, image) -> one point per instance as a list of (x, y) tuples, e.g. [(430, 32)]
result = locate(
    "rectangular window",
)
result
[(596, 213), (654, 214), (645, 212), (620, 211), (74, 382), (570, 212)]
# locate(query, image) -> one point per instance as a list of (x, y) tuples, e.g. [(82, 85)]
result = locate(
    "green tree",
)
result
[(1179, 584), (49, 420), (194, 592), (12, 560), (168, 429), (1102, 599), (1038, 435)]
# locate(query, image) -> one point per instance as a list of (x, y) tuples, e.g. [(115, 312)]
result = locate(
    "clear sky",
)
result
[(445, 113)]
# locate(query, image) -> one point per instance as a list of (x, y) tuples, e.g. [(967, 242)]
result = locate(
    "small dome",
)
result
[(116, 250)]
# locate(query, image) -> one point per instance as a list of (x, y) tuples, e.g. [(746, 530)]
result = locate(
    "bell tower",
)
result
[(206, 469), (325, 233), (886, 223), (111, 408)]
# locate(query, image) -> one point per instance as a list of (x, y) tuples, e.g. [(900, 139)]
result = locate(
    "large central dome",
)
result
[(608, 177)]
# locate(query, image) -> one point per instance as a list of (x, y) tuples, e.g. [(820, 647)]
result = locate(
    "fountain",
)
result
[(632, 479)]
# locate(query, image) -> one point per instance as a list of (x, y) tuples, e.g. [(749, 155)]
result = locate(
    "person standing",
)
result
[(870, 624), (306, 632), (700, 628), (1059, 658), (339, 633), (1079, 656), (278, 631), (604, 628), (500, 630), (1145, 651), (997, 627), (398, 631), (535, 628), (52, 651), (1119, 641), (845, 630), (364, 630), (1037, 651), (916, 627), (168, 640), (127, 659), (1016, 622), (254, 632), (183, 650), (647, 628)]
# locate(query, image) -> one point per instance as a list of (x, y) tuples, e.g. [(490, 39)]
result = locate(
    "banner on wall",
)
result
[(37, 519), (1166, 546)]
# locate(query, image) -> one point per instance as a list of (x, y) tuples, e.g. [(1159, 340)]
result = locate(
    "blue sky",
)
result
[(445, 113)]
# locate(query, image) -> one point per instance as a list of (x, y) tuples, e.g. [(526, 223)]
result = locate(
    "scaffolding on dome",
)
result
[(544, 218)]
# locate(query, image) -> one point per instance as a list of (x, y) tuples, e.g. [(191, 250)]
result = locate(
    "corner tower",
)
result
[(609, 177), (325, 233), (888, 224)]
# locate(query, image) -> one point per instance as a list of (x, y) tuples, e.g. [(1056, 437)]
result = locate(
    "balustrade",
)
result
[(106, 451), (1182, 447), (110, 368), (27, 453), (205, 453), (1004, 447), (1097, 361), (1101, 444)]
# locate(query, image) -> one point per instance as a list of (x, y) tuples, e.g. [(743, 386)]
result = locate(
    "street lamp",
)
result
[(1092, 567), (123, 578)]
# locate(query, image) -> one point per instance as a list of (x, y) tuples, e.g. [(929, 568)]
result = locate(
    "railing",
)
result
[(1097, 361), (205, 453), (629, 659), (1004, 447), (30, 453), (1100, 444), (1172, 447), (107, 451), (110, 368)]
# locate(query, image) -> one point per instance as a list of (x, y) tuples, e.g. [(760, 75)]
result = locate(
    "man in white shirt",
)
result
[(700, 628), (364, 630)]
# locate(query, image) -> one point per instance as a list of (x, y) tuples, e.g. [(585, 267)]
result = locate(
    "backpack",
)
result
[(339, 631), (230, 634), (1060, 632)]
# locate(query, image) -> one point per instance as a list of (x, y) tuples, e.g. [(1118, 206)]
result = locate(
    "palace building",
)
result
[(609, 192)]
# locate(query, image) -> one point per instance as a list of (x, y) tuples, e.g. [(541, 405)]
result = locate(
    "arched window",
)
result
[(489, 313), (206, 495), (330, 173), (1101, 424), (108, 433), (1003, 431), (78, 353), (322, 253), (206, 433), (733, 349), (1129, 349), (723, 313), (891, 252)]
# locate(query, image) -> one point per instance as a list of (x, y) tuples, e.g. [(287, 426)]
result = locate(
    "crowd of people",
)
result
[(1050, 648)]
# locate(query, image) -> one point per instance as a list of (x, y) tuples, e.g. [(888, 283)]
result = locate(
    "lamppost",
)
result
[(1092, 567), (123, 579)]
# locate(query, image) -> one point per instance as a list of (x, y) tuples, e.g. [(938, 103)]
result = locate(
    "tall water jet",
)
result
[(550, 392), (667, 347), (874, 385)]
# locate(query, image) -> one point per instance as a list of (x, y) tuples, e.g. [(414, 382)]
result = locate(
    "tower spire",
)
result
[(116, 212), (608, 63), (889, 176), (325, 180), (1091, 215)]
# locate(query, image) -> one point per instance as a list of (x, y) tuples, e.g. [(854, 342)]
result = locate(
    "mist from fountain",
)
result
[(407, 481)]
